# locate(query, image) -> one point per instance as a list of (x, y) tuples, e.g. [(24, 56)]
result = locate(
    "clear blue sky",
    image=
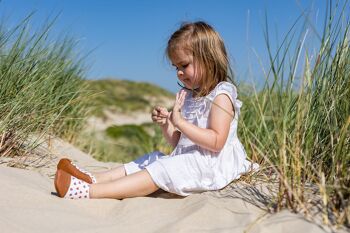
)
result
[(128, 38)]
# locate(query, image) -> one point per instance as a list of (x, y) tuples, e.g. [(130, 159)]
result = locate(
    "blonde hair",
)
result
[(209, 53)]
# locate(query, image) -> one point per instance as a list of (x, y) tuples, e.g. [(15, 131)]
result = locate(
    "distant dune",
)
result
[(127, 96), (120, 102)]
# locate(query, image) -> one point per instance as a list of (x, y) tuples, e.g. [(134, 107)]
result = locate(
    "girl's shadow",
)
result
[(157, 194), (165, 195)]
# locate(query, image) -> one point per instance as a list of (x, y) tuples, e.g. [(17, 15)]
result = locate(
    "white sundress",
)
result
[(190, 168)]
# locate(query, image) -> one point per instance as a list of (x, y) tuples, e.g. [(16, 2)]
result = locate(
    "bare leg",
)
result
[(113, 174), (138, 184)]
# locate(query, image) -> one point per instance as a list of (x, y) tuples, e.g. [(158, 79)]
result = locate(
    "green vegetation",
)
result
[(300, 128), (124, 143), (125, 96), (132, 133), (127, 142), (41, 87)]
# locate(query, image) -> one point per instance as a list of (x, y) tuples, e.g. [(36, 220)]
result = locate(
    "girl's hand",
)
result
[(176, 116), (160, 115)]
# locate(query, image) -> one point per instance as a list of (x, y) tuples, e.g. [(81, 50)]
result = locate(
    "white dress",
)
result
[(191, 168)]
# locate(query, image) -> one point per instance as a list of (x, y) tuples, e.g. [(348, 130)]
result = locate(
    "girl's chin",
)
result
[(189, 85)]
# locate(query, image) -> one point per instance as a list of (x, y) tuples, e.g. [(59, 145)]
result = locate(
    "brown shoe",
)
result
[(68, 166), (62, 182)]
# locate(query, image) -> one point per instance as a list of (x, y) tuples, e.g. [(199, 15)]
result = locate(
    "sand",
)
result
[(28, 204)]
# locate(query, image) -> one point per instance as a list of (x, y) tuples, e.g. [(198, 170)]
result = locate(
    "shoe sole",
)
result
[(62, 182)]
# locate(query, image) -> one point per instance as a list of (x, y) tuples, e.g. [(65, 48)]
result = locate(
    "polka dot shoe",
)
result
[(68, 186)]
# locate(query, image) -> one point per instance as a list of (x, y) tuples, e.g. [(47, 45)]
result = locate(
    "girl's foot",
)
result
[(68, 186), (69, 167)]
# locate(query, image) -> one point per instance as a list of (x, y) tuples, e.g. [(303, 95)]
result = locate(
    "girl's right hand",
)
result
[(160, 115), (176, 115)]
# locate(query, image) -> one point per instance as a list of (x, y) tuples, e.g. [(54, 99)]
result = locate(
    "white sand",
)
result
[(28, 204)]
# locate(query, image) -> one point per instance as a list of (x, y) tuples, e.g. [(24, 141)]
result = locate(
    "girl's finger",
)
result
[(181, 92), (163, 115), (159, 108), (182, 98), (183, 95), (162, 121), (164, 112)]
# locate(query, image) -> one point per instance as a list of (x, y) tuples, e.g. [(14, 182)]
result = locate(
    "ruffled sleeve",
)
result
[(231, 91)]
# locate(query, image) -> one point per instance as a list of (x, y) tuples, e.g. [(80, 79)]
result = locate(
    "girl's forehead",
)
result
[(180, 55)]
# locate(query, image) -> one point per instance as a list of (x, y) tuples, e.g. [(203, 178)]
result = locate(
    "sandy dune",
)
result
[(28, 204), (100, 124)]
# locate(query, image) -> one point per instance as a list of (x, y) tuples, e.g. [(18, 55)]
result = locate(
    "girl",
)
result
[(202, 127)]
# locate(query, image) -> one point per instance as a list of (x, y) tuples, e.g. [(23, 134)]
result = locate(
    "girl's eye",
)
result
[(181, 67)]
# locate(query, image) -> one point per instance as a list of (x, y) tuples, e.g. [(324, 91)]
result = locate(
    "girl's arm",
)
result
[(160, 115), (170, 133), (215, 135)]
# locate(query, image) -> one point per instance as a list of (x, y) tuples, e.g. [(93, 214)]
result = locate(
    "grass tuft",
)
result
[(298, 123), (41, 86)]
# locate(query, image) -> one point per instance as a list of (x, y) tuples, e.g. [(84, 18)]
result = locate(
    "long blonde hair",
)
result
[(209, 53)]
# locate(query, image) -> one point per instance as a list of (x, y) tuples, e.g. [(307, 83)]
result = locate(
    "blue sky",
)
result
[(128, 38)]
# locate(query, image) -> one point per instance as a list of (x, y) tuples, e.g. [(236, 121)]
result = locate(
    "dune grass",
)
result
[(41, 86), (298, 124)]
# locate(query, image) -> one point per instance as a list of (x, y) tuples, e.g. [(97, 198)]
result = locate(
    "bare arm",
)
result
[(170, 133), (215, 135), (160, 115)]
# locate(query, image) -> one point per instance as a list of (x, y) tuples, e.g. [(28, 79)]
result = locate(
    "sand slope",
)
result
[(28, 204)]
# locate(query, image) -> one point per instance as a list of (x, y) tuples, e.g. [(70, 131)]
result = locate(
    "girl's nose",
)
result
[(180, 73)]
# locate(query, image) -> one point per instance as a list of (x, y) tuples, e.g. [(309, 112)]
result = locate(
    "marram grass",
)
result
[(41, 86), (299, 123)]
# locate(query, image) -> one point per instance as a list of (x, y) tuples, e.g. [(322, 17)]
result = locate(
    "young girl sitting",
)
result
[(202, 127)]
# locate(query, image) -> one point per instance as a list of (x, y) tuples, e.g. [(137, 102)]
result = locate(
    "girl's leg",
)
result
[(119, 172), (113, 174), (134, 185)]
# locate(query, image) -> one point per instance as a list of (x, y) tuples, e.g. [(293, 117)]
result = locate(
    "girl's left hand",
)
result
[(176, 116)]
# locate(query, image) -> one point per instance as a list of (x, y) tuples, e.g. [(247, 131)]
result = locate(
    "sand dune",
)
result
[(28, 204)]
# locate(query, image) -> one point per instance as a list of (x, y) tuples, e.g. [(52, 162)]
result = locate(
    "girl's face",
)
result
[(185, 69)]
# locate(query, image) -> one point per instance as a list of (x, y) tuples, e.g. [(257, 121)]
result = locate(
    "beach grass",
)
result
[(298, 123), (41, 86)]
